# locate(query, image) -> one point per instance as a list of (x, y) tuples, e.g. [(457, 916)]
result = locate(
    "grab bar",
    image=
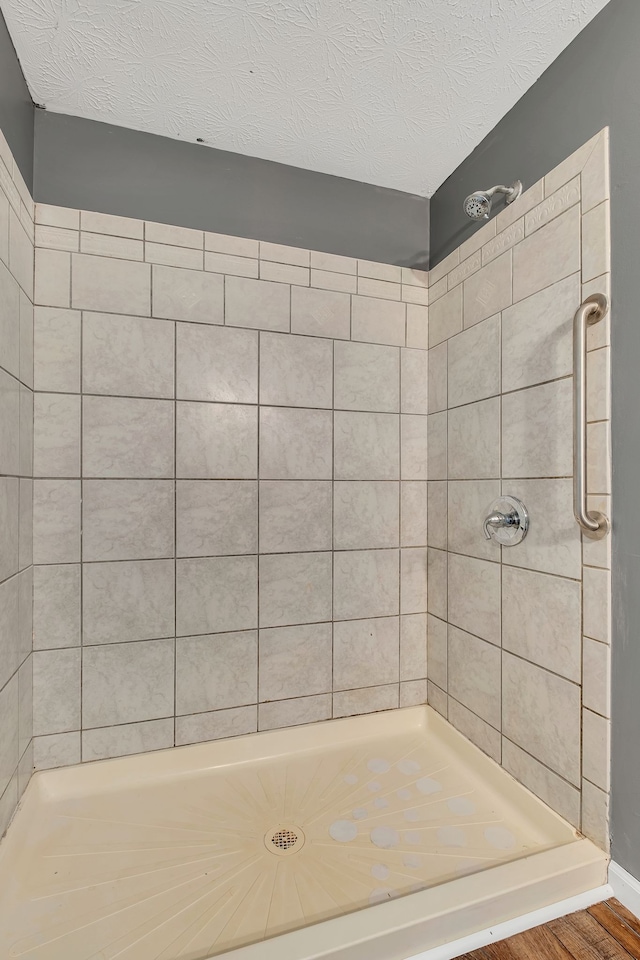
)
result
[(594, 525)]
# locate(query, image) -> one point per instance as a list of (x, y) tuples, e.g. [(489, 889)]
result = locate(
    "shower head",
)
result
[(477, 205)]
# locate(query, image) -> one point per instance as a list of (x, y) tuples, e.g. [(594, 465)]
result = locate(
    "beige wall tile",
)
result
[(280, 253), (465, 268), (216, 517), (56, 437), (437, 650), (445, 316), (56, 349), (552, 789), (128, 356), (437, 290), (295, 588), (541, 620), (596, 241), (216, 594), (175, 236), (569, 167), (216, 725), (56, 521), (290, 713), (415, 294), (365, 515), (334, 263), (488, 291), (56, 688), (127, 519), (437, 513), (57, 238), (598, 334), (56, 606), (57, 750), (295, 371), (365, 652), (437, 699), (475, 729), (57, 216), (116, 226), (216, 441), (173, 256), (555, 204), (216, 363), (413, 513), (367, 700), (124, 437), (187, 295), (437, 446), (366, 446), (596, 676), (230, 264), (295, 662), (238, 246), (126, 739), (117, 286), (469, 502), (284, 273), (413, 646), (474, 597), (537, 335), (595, 749), (552, 544), (320, 313), (365, 584), (378, 321), (417, 326), (379, 271), (537, 434), (327, 280), (442, 269), (127, 682), (413, 447), (413, 693), (216, 672), (595, 814), (256, 303), (474, 363), (437, 378), (548, 255), (52, 278), (541, 713), (599, 384), (129, 600), (477, 239), (597, 553), (474, 440), (474, 674), (367, 377), (295, 444), (596, 602), (505, 239), (599, 458), (103, 245), (413, 580), (378, 288), (525, 202), (295, 515), (21, 254), (595, 173)]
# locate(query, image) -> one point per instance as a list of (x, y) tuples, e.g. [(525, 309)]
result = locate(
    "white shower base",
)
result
[(171, 854)]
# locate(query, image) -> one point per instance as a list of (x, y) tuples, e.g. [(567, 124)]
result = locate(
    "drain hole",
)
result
[(284, 839)]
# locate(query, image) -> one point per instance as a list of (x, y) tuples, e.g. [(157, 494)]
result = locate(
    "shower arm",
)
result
[(512, 193)]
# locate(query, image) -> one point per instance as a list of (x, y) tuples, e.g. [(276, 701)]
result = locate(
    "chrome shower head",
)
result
[(477, 206)]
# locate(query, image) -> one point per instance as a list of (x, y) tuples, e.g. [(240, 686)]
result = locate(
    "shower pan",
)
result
[(369, 837)]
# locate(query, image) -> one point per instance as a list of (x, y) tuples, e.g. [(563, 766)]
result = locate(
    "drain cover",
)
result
[(284, 840)]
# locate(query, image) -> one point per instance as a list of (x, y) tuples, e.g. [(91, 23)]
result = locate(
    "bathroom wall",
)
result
[(230, 495), (16, 450), (518, 637)]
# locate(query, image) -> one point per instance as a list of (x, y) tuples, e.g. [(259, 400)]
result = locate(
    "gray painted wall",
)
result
[(97, 166), (16, 107), (595, 82)]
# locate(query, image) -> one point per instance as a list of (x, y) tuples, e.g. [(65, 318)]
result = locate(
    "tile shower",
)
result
[(236, 449)]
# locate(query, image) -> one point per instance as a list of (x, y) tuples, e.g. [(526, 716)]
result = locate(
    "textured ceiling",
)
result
[(393, 93)]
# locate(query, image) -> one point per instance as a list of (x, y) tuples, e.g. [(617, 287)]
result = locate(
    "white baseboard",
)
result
[(509, 928), (625, 888)]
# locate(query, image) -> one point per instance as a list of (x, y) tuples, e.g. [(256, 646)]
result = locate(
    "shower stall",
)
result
[(318, 658)]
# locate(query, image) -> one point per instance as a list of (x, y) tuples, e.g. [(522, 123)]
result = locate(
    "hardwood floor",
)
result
[(606, 931)]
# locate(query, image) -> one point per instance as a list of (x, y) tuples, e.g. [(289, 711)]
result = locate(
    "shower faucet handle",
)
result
[(507, 521)]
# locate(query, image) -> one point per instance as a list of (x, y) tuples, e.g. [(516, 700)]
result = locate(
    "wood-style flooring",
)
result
[(606, 931)]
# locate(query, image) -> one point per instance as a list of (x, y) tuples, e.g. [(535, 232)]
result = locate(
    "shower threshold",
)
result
[(371, 838)]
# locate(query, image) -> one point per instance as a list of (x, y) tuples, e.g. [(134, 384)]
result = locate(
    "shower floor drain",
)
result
[(284, 840)]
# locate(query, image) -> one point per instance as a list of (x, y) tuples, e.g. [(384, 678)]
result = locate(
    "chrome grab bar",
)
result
[(594, 525)]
